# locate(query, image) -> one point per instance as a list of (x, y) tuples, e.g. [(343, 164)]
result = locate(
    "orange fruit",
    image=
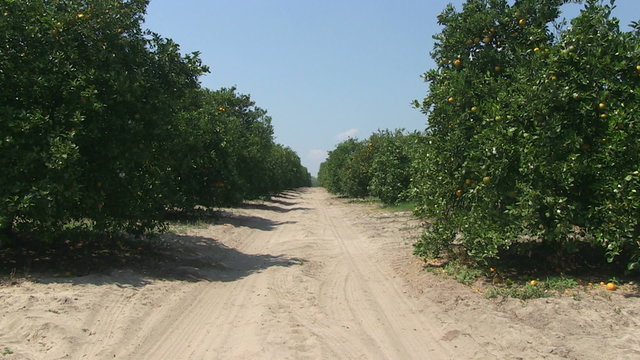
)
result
[(474, 108), (603, 116), (554, 78), (602, 283), (497, 68), (637, 66), (533, 282), (451, 99), (522, 22), (80, 16), (486, 179), (459, 192), (611, 286), (602, 106), (457, 63), (536, 49), (486, 40)]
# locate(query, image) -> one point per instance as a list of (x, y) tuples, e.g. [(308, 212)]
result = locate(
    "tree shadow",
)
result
[(253, 222), (139, 262), (282, 202), (267, 207), (293, 194)]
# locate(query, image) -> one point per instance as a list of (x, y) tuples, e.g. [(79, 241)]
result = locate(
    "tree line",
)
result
[(105, 125), (532, 142)]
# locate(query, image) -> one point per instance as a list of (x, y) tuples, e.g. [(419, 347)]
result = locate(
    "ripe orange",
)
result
[(602, 283), (536, 49), (533, 282), (637, 66), (522, 22), (80, 16), (604, 116), (459, 192), (457, 63), (486, 40), (451, 99), (554, 78), (611, 286), (602, 106)]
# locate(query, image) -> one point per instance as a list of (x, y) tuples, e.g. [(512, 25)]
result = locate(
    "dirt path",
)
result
[(304, 276)]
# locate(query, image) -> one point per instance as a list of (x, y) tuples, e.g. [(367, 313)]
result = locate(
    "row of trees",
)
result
[(105, 124), (533, 133), (378, 166)]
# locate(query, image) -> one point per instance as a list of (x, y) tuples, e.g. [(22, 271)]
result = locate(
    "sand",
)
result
[(303, 276)]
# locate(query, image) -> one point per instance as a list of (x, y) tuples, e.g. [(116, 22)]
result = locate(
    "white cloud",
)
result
[(347, 134)]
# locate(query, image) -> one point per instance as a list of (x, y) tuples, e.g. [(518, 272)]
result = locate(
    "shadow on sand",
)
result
[(177, 257), (85, 257)]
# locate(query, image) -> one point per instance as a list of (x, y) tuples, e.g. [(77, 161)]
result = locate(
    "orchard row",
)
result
[(105, 124), (533, 136)]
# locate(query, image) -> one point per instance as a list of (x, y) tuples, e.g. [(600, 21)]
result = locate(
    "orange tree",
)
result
[(391, 166), (333, 171), (87, 103), (530, 134), (224, 153)]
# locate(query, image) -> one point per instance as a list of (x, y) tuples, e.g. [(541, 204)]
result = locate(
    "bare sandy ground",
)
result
[(304, 276)]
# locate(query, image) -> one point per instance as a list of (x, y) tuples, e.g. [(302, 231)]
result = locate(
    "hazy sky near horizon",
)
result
[(324, 70)]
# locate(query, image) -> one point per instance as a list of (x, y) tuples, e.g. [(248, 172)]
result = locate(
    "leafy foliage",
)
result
[(379, 166), (532, 136), (105, 124)]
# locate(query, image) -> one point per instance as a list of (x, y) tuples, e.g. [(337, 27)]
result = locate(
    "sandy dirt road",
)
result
[(304, 276)]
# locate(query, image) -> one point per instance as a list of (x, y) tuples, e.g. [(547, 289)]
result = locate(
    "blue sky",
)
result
[(324, 70)]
